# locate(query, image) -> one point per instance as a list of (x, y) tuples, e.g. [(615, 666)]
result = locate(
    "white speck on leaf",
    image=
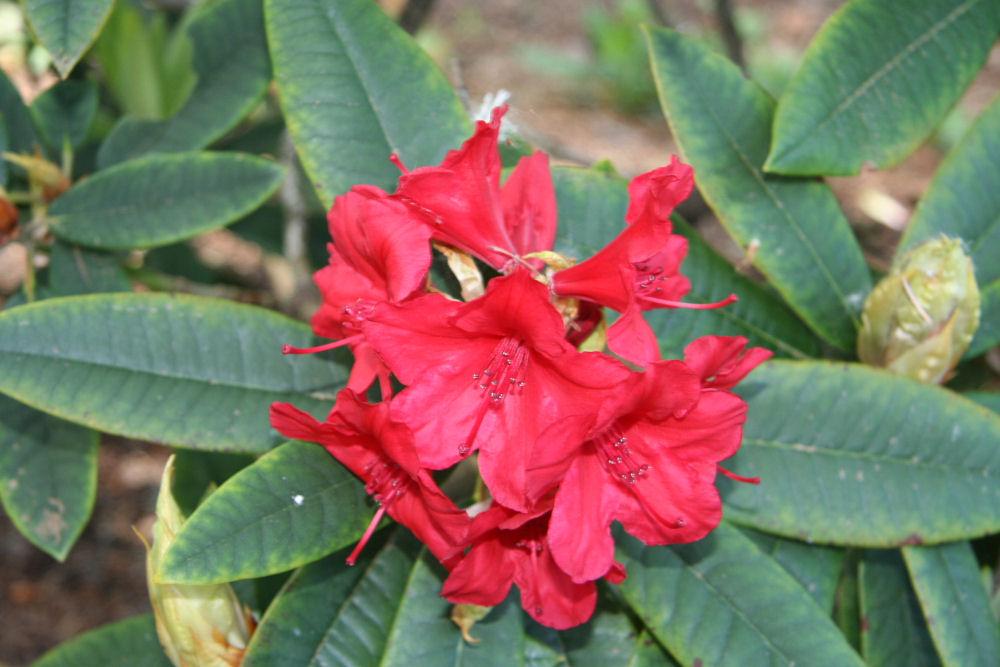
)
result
[(298, 499)]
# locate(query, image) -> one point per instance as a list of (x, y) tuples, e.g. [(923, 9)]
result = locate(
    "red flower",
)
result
[(492, 375), (638, 270), (380, 252), (462, 201), (381, 451), (510, 547), (653, 468)]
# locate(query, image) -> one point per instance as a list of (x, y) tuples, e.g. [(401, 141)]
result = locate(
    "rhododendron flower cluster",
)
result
[(566, 441)]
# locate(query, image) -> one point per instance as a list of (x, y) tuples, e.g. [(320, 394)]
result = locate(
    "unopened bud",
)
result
[(46, 176), (920, 319), (198, 625)]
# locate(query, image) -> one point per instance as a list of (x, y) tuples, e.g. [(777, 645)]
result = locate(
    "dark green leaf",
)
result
[(17, 119), (849, 454), (3, 148), (197, 472), (128, 643), (48, 476), (893, 629), (956, 606), (722, 601), (77, 270), (846, 602), (231, 61), (162, 198), (802, 241), (963, 201), (876, 80), (294, 505), (989, 399), (178, 369), (592, 205), (355, 88), (64, 113), (66, 27), (816, 568)]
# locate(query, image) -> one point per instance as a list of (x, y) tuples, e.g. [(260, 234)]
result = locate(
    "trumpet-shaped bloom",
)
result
[(381, 452), (492, 375), (464, 205)]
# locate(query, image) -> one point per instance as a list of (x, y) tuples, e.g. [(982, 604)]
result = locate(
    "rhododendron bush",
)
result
[(534, 417)]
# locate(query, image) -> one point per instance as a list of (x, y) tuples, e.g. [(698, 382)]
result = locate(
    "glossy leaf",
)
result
[(956, 606), (197, 473), (48, 476), (21, 135), (66, 27), (128, 643), (894, 632), (355, 88), (231, 61), (77, 270), (173, 369), (608, 638), (876, 80), (293, 506), (815, 567), (964, 202), (721, 601), (162, 199), (64, 113), (864, 457), (385, 611), (802, 241), (592, 206)]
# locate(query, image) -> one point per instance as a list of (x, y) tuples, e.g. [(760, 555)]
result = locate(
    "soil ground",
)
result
[(482, 47)]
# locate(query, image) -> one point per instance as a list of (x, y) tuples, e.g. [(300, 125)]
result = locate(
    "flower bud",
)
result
[(198, 625), (920, 319)]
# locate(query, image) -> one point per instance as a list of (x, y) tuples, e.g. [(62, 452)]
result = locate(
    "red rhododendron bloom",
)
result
[(381, 451), (638, 270), (462, 201), (510, 547), (492, 375), (653, 467), (380, 252)]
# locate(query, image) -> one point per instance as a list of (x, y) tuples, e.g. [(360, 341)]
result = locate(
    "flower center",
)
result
[(612, 447), (502, 376), (386, 482), (357, 312)]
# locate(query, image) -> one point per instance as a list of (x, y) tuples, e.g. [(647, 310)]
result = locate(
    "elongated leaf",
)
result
[(803, 243), (354, 89), (162, 199), (385, 611), (48, 476), (77, 270), (67, 27), (816, 568), (722, 601), (196, 472), (592, 206), (956, 606), (231, 61), (65, 112), (128, 643), (608, 638), (849, 454), (21, 135), (293, 506), (179, 370), (963, 201), (876, 80), (989, 399), (894, 632)]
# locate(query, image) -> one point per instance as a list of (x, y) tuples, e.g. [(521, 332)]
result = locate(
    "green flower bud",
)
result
[(920, 319), (198, 625)]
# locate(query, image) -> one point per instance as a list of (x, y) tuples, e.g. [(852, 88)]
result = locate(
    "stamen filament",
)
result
[(353, 558), (288, 349), (394, 158), (738, 478), (732, 298)]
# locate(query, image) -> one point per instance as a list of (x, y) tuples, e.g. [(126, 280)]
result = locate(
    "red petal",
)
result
[(722, 361), (529, 205)]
